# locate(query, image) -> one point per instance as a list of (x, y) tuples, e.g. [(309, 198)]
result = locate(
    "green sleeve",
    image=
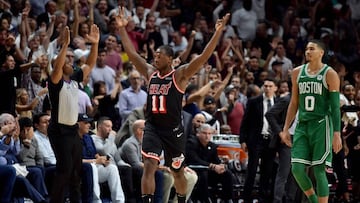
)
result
[(335, 110)]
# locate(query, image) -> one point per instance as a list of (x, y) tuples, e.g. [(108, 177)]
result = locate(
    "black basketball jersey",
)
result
[(164, 101)]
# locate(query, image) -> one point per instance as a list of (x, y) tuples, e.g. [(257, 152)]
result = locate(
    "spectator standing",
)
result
[(255, 139), (103, 72), (244, 20), (131, 97)]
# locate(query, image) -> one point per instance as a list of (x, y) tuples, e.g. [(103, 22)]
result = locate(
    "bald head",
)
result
[(198, 119), (138, 127)]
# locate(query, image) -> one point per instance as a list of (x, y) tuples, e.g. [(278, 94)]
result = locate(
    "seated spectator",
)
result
[(104, 141), (10, 148), (10, 141), (200, 151), (104, 170), (197, 121), (41, 123), (7, 173), (126, 128), (31, 157), (191, 178)]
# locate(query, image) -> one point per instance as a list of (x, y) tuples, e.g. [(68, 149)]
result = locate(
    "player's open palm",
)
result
[(121, 19), (221, 23), (94, 35), (66, 36)]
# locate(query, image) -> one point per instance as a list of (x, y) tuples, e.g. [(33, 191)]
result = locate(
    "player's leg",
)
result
[(304, 182), (148, 180), (151, 150), (321, 132), (322, 187), (180, 184), (300, 158), (174, 150)]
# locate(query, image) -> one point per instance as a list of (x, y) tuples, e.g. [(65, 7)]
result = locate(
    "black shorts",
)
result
[(172, 141)]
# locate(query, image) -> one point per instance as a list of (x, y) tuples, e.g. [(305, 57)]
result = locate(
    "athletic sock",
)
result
[(181, 198), (148, 198)]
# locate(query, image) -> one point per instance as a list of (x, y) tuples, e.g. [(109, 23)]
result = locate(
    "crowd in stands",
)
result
[(263, 41)]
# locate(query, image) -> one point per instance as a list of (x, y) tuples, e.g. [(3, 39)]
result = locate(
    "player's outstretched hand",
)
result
[(221, 23), (94, 35), (66, 36), (120, 18)]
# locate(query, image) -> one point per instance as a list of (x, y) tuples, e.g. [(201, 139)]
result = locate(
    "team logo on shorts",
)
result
[(177, 161), (319, 77)]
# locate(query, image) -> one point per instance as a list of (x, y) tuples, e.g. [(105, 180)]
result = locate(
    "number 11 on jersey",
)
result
[(158, 104)]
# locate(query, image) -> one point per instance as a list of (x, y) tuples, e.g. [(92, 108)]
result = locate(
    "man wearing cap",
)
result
[(103, 169), (209, 112), (276, 70)]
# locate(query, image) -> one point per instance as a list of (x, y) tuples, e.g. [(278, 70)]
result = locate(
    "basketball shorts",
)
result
[(172, 141), (312, 143)]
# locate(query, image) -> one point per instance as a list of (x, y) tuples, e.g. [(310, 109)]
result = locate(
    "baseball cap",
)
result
[(229, 88), (83, 117), (209, 100), (78, 53)]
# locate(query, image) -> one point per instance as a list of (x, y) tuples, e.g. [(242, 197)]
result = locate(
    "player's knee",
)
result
[(319, 170), (321, 180), (150, 166)]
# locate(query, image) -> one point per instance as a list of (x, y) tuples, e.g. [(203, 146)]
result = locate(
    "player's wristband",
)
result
[(335, 110)]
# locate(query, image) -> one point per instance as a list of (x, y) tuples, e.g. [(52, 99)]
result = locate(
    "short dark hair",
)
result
[(102, 119), (319, 43), (25, 122), (36, 117), (167, 50)]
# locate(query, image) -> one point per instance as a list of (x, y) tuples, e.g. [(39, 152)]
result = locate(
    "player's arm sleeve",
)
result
[(335, 110)]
